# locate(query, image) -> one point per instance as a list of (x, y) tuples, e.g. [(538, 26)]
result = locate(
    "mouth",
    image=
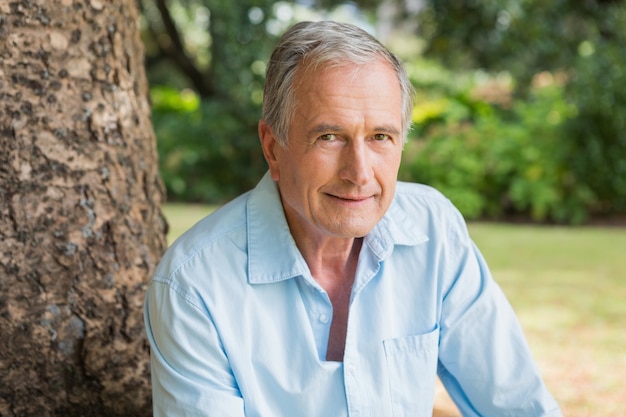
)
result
[(351, 199)]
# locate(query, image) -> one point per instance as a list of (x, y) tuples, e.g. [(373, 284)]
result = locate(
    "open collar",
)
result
[(272, 253)]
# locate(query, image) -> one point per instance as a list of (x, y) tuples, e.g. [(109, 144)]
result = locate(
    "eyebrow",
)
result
[(324, 128), (387, 129)]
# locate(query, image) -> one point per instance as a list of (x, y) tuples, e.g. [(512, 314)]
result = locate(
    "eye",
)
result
[(328, 137), (380, 137)]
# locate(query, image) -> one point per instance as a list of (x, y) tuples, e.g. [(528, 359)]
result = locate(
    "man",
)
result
[(330, 289)]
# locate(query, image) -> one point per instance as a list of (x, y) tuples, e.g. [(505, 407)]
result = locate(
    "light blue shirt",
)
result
[(239, 327)]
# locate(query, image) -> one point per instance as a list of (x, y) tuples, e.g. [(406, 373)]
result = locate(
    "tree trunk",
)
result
[(80, 222)]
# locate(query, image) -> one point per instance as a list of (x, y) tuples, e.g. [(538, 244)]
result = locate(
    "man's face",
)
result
[(337, 176)]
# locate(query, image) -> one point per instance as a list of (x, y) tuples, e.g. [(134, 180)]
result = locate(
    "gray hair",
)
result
[(322, 43)]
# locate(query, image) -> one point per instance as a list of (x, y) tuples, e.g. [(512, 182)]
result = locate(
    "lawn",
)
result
[(568, 287)]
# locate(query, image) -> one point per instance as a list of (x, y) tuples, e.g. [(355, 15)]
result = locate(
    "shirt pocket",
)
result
[(411, 370)]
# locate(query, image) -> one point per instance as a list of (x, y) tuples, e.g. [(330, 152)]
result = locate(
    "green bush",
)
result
[(208, 150), (598, 133), (583, 42), (500, 162)]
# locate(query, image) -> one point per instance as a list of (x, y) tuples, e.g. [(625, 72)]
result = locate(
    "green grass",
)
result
[(568, 287), (582, 268)]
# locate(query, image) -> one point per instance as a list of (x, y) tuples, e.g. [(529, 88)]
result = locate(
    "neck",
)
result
[(334, 268), (331, 256)]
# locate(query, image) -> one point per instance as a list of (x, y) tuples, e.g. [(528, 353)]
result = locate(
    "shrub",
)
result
[(208, 150), (501, 162), (598, 133)]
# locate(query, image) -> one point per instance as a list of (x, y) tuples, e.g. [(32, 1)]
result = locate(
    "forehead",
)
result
[(348, 87), (347, 79)]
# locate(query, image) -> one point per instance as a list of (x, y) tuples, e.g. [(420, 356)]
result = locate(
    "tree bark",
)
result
[(81, 227)]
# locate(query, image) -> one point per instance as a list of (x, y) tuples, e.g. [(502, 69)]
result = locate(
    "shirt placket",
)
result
[(354, 366), (351, 382), (320, 311)]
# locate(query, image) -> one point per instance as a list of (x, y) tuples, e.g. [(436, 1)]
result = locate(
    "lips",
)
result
[(351, 198)]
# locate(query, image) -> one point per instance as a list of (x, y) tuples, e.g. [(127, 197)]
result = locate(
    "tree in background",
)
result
[(579, 42), (212, 53), (80, 223)]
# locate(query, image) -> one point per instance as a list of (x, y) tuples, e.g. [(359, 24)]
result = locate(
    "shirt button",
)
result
[(323, 318)]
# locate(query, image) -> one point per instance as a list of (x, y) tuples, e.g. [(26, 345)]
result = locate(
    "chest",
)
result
[(298, 333)]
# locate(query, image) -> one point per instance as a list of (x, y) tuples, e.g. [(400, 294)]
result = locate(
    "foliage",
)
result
[(499, 161), (208, 149), (214, 53), (218, 45), (582, 40), (598, 134), (522, 37)]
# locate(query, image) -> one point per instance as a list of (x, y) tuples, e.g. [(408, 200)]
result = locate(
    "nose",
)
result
[(356, 163)]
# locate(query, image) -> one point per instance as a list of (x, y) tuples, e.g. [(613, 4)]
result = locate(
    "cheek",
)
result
[(388, 168)]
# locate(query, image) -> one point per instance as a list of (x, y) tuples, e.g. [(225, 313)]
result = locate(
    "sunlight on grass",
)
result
[(568, 287)]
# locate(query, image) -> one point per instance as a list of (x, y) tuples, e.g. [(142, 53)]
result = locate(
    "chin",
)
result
[(350, 232)]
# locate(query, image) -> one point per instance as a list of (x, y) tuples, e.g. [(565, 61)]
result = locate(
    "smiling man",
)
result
[(331, 289)]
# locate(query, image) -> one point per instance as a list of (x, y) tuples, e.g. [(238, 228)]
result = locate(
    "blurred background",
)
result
[(521, 111)]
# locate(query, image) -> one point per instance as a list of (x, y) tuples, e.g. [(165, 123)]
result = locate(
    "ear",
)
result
[(269, 145)]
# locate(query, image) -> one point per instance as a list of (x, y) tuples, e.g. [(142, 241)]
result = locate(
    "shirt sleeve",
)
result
[(484, 361), (191, 375)]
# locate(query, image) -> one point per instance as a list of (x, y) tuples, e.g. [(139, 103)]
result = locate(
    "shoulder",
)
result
[(412, 196), (430, 209), (419, 191), (221, 231)]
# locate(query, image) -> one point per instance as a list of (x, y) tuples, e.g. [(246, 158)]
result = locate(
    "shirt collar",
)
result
[(272, 253)]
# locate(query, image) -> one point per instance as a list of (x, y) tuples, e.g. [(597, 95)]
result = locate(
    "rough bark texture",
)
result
[(80, 222)]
